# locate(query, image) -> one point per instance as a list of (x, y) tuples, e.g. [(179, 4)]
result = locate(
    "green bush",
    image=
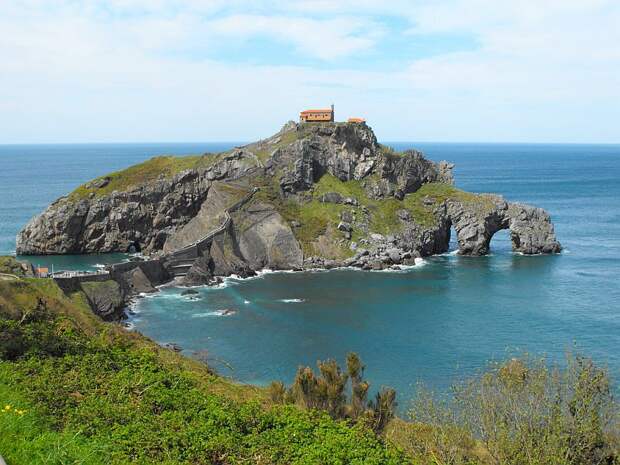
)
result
[(327, 392), (523, 412)]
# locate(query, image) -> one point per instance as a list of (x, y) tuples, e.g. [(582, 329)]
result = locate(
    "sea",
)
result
[(436, 323)]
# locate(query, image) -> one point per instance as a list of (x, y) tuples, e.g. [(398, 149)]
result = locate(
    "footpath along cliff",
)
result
[(313, 195)]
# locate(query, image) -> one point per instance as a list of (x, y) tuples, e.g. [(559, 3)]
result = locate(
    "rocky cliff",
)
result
[(312, 195)]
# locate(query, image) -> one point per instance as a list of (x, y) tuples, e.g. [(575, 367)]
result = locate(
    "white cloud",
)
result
[(326, 39), (137, 69)]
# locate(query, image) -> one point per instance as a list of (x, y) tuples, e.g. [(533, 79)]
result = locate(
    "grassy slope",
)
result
[(9, 265), (318, 218), (143, 173), (93, 393)]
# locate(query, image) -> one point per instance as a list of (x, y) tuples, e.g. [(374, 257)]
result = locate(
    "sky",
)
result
[(234, 70)]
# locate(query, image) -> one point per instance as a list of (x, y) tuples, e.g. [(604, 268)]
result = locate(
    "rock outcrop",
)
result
[(351, 152), (105, 298), (140, 219), (311, 195), (531, 230)]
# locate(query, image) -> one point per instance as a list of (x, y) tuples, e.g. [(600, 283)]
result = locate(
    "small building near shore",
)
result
[(42, 272)]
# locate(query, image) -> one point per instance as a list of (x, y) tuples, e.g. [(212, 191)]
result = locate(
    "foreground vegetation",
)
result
[(91, 393), (10, 266), (75, 390), (526, 411), (327, 392)]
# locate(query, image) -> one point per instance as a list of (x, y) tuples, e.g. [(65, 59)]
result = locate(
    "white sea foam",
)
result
[(223, 312), (226, 282), (292, 301), (246, 302), (206, 314), (169, 296), (261, 274), (149, 295), (99, 265)]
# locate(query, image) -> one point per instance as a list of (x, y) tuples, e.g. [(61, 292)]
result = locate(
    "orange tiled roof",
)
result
[(357, 120), (305, 112)]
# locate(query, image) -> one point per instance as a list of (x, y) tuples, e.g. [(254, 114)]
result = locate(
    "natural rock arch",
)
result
[(475, 223)]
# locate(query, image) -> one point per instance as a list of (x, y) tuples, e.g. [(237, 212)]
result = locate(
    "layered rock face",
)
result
[(351, 152), (265, 205)]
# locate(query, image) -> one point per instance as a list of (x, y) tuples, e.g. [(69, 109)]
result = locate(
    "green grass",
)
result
[(95, 394), (143, 173), (314, 216), (263, 153), (318, 218), (10, 265), (28, 437)]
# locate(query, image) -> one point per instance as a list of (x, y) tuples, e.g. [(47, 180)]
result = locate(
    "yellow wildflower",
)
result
[(7, 407)]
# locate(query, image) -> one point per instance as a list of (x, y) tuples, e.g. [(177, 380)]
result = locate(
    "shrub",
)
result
[(327, 392), (523, 412)]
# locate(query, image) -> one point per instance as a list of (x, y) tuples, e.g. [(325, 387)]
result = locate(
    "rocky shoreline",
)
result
[(312, 196)]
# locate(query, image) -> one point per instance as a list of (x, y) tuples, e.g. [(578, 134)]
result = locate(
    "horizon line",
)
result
[(238, 143)]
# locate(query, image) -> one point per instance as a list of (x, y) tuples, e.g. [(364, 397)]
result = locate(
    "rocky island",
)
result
[(314, 195)]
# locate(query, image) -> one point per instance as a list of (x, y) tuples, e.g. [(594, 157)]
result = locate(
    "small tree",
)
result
[(331, 387), (382, 409), (359, 387), (327, 391)]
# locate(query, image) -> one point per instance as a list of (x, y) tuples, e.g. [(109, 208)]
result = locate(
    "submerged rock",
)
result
[(172, 346), (190, 292)]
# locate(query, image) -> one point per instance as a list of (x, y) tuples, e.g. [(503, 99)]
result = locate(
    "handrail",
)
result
[(77, 274), (220, 228)]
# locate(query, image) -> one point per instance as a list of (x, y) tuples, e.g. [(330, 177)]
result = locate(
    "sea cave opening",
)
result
[(501, 242), (134, 247), (453, 244)]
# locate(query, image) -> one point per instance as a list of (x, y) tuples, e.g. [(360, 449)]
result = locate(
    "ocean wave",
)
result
[(204, 315), (260, 274), (419, 262), (149, 295), (234, 280), (450, 253), (226, 282), (292, 301), (223, 312)]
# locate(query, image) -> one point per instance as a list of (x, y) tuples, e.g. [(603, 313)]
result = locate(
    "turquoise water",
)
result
[(434, 323)]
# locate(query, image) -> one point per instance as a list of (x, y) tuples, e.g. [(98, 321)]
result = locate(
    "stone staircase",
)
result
[(179, 262), (180, 267)]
